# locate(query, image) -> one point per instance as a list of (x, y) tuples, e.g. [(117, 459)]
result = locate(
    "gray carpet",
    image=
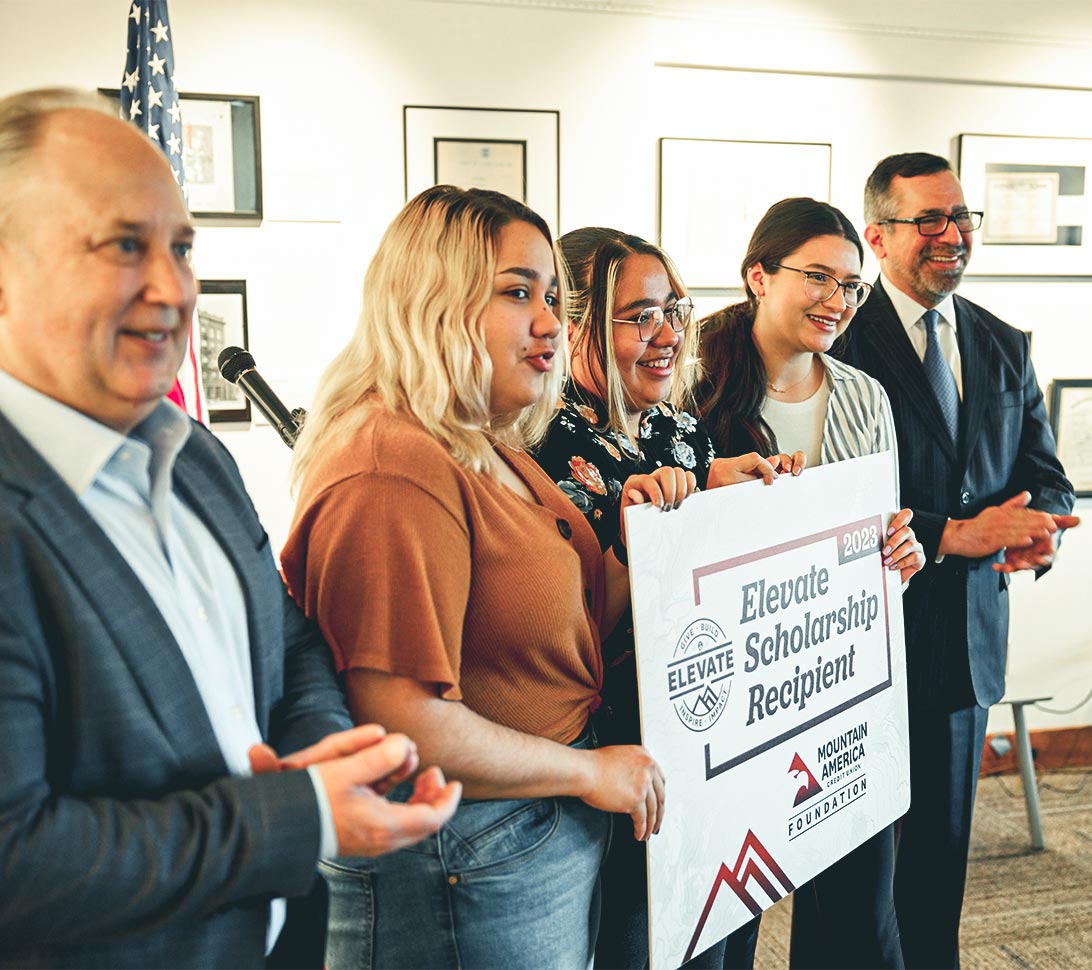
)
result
[(1024, 910)]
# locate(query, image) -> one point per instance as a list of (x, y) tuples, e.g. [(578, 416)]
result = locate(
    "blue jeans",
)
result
[(507, 883)]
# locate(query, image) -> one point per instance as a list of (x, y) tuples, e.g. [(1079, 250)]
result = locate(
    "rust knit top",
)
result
[(413, 565)]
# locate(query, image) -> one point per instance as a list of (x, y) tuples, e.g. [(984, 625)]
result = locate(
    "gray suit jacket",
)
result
[(957, 612), (123, 840)]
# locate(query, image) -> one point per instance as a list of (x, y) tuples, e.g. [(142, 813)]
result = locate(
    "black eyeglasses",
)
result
[(937, 225), (820, 287), (649, 321)]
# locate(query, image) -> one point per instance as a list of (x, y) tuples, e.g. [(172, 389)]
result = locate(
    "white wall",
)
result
[(333, 76)]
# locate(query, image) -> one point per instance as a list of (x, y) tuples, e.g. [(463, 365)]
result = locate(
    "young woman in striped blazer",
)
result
[(769, 385)]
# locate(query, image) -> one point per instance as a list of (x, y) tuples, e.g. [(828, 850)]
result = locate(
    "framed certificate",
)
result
[(1071, 419), (1037, 200), (507, 150)]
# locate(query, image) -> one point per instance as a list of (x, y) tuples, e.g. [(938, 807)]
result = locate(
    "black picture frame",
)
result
[(221, 321), (1071, 421), (485, 163), (221, 156)]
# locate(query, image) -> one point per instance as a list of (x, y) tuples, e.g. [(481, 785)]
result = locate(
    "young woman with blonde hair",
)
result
[(459, 591)]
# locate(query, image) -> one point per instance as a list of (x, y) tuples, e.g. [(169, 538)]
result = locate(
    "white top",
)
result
[(798, 425)]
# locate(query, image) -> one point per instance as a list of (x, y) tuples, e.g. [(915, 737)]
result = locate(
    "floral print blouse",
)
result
[(590, 462)]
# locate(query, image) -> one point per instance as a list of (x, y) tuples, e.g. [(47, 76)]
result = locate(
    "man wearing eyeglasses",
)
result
[(978, 467)]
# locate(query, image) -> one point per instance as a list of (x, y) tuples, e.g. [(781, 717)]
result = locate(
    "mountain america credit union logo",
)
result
[(699, 676), (810, 787)]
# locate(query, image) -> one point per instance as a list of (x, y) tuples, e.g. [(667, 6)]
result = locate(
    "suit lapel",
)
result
[(885, 333), (115, 596), (974, 352)]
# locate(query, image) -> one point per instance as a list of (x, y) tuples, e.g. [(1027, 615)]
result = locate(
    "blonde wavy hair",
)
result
[(594, 258), (419, 345)]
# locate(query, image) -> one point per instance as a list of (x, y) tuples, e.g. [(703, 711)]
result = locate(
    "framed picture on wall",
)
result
[(511, 151), (484, 163), (1071, 419), (713, 193), (1037, 197), (221, 156), (220, 321)]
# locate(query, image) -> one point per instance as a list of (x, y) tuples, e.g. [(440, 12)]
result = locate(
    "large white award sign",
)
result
[(772, 678)]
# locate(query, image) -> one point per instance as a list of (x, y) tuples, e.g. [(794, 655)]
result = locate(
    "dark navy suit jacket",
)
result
[(123, 840), (957, 611)]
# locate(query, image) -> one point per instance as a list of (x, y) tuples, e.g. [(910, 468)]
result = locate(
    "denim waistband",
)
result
[(586, 738)]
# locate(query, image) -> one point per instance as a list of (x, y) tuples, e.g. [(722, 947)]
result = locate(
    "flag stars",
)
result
[(175, 112), (155, 98), (174, 143), (131, 80), (134, 109), (160, 32), (153, 132), (134, 14), (156, 64)]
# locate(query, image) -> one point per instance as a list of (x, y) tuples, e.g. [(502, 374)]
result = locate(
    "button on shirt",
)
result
[(910, 313), (124, 483)]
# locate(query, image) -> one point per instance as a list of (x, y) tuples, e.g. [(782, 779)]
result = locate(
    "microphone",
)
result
[(237, 366)]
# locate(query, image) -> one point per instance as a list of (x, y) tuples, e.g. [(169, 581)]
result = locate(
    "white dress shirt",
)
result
[(910, 315)]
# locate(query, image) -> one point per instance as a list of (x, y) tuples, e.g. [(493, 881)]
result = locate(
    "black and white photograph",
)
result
[(220, 320)]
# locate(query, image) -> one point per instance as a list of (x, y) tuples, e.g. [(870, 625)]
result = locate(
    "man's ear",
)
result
[(874, 236)]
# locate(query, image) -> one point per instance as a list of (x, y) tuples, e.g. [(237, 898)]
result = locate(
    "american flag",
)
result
[(149, 100)]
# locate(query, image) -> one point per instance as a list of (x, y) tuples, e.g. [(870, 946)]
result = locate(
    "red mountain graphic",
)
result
[(753, 863), (810, 787)]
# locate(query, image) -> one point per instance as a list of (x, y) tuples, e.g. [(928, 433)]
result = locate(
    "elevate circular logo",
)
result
[(699, 676)]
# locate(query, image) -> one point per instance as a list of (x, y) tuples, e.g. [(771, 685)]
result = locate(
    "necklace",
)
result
[(783, 390)]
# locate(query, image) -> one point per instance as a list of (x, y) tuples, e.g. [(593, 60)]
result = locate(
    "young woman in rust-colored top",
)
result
[(461, 593)]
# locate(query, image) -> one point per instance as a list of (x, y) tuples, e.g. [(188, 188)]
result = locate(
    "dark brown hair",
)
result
[(731, 395), (878, 202)]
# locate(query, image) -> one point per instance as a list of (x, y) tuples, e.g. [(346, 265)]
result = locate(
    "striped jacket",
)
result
[(858, 420)]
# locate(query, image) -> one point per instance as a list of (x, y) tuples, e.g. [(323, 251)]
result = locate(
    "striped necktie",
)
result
[(940, 375)]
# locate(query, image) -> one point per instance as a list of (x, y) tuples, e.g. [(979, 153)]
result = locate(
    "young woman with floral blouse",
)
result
[(623, 412)]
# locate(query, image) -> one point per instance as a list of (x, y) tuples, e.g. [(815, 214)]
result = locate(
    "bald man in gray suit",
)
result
[(176, 751)]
